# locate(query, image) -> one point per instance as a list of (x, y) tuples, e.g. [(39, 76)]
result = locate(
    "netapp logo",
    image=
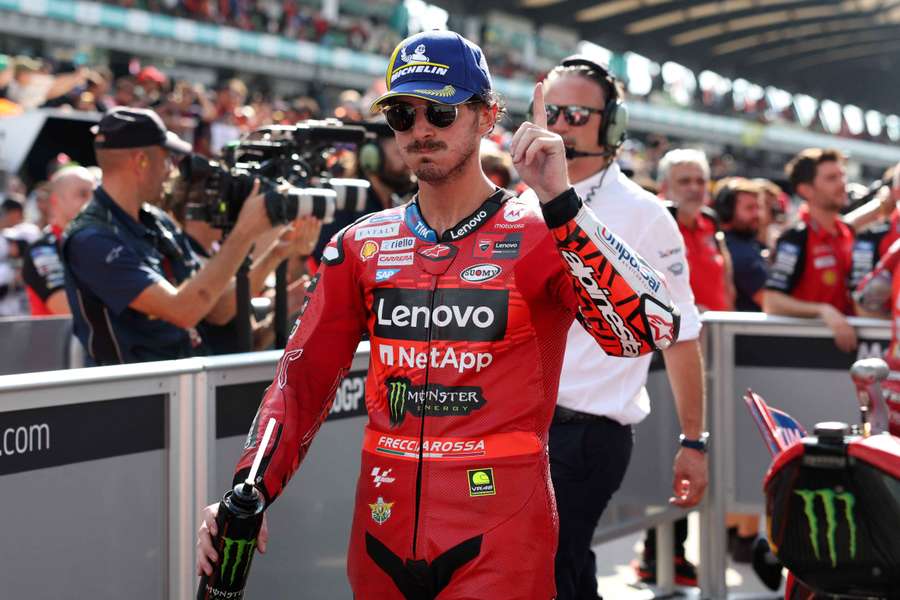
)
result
[(437, 358), (452, 314)]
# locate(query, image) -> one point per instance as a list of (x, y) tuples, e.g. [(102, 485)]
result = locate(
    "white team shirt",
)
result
[(591, 381)]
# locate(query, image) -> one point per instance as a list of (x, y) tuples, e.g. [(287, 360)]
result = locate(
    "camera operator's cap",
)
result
[(124, 127), (440, 66)]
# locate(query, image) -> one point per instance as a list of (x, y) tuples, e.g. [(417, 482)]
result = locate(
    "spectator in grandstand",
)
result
[(349, 108), (303, 108), (812, 262), (739, 206), (600, 397), (70, 189), (683, 177), (137, 285)]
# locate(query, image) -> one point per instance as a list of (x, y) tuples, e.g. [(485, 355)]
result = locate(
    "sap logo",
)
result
[(587, 278), (437, 358), (380, 477), (624, 254), (467, 227), (450, 314), (405, 243), (480, 273), (379, 231), (395, 260), (385, 274)]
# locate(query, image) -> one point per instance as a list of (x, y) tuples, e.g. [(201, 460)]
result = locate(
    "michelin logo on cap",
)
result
[(418, 62)]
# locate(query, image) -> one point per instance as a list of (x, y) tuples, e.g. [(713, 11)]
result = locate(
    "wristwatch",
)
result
[(701, 444)]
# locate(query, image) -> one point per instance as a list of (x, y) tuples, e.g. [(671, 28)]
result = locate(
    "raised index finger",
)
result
[(539, 112)]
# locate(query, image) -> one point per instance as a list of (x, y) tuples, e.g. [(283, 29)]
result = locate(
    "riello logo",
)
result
[(838, 508), (445, 314)]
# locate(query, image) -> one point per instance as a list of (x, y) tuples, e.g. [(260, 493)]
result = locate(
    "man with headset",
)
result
[(601, 397), (739, 206)]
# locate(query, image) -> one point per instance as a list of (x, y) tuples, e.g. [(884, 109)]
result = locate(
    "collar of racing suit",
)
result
[(467, 225)]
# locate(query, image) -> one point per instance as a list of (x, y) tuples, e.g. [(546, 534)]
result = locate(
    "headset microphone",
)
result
[(573, 153)]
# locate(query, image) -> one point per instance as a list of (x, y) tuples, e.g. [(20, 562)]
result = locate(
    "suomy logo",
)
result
[(480, 273), (450, 314)]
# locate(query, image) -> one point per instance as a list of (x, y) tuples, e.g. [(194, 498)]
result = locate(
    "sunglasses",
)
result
[(574, 114), (401, 116)]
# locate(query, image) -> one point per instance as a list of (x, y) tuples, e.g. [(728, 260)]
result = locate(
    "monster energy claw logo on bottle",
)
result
[(829, 498), (235, 553)]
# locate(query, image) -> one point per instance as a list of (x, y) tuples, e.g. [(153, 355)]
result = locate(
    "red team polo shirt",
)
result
[(706, 263), (814, 265)]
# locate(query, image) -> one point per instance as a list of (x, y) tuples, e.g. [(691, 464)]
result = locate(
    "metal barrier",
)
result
[(106, 469)]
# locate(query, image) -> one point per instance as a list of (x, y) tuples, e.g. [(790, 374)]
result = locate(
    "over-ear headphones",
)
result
[(725, 201), (614, 118), (371, 158)]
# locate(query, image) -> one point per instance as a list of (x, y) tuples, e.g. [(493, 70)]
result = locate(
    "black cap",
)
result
[(124, 127)]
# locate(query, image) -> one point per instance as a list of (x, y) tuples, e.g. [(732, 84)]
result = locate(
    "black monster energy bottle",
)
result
[(238, 521)]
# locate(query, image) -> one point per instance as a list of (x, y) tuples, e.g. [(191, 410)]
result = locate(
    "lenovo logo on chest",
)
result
[(453, 314)]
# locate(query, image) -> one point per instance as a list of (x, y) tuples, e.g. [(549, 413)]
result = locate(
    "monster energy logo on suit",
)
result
[(437, 400), (236, 552), (829, 500)]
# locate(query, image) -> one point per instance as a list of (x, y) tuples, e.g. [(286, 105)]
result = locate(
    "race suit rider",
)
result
[(467, 324)]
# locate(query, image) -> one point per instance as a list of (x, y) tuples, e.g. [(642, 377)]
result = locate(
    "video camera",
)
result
[(291, 163)]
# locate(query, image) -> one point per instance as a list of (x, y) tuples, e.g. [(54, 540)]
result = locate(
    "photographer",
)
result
[(296, 240), (136, 288)]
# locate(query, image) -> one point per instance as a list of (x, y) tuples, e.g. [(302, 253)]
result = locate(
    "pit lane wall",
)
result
[(104, 470)]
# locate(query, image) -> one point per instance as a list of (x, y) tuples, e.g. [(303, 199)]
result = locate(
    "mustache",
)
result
[(426, 145)]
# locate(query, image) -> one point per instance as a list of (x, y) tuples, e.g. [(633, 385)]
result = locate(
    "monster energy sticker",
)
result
[(437, 400), (236, 558), (830, 498), (381, 510)]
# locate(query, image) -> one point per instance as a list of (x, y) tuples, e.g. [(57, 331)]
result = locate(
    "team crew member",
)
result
[(811, 267), (130, 272), (739, 206), (70, 189), (684, 180), (601, 396), (467, 294)]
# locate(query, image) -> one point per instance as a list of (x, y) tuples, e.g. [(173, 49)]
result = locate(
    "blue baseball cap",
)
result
[(440, 66)]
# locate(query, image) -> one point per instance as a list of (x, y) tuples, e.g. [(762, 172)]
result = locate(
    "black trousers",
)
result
[(588, 461), (681, 533)]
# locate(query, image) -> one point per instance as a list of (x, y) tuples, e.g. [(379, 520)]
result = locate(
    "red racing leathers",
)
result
[(879, 292), (467, 338)]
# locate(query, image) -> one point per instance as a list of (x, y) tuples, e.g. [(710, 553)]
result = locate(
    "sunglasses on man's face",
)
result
[(574, 114), (401, 116)]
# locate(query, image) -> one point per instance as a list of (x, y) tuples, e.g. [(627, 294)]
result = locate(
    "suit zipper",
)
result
[(421, 462)]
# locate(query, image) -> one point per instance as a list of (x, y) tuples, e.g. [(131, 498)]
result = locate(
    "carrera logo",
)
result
[(439, 252), (451, 314), (405, 243), (480, 273), (395, 260)]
